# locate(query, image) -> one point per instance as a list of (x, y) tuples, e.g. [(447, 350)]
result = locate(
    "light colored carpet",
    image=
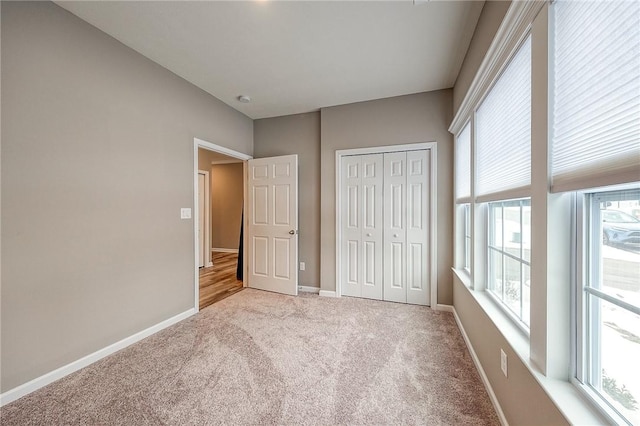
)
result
[(263, 358)]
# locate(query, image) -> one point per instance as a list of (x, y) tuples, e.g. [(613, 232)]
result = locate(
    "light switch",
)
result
[(302, 266), (185, 213)]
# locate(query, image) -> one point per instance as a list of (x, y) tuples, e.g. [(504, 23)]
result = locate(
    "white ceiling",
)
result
[(293, 57)]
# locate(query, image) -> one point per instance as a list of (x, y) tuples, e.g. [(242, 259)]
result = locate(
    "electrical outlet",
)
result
[(503, 362), (302, 266), (185, 213)]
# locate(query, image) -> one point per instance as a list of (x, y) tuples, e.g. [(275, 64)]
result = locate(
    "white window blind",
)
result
[(596, 94), (463, 165), (503, 132)]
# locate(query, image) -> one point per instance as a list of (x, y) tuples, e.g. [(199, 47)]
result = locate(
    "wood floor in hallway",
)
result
[(219, 281)]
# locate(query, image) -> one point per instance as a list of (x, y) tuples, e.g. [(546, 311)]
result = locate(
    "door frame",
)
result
[(207, 218), (199, 143), (432, 146)]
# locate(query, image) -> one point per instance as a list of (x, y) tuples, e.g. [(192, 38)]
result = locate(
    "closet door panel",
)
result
[(372, 225), (418, 203), (351, 211), (395, 227)]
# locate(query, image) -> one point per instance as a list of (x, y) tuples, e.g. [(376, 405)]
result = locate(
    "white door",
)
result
[(362, 235), (201, 219), (395, 226), (418, 203), (406, 227), (273, 224)]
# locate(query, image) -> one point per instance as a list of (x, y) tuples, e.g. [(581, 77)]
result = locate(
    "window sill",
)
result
[(566, 396)]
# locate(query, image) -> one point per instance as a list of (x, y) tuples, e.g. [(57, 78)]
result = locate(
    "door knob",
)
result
[(292, 232), (395, 235), (368, 234)]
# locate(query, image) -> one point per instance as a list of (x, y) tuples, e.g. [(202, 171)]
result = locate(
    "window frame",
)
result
[(490, 281), (585, 309)]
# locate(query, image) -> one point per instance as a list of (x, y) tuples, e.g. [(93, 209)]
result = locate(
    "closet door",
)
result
[(395, 227), (361, 274), (406, 227), (418, 204), (372, 226), (351, 250)]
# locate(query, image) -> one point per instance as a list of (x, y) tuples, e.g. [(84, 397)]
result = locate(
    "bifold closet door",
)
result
[(406, 231), (362, 233)]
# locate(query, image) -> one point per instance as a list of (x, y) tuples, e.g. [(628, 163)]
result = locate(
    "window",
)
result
[(609, 301), (463, 195), (466, 259), (503, 132), (509, 253), (595, 130), (596, 94)]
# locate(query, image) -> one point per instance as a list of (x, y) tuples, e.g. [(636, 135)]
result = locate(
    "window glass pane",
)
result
[(495, 272), (467, 236), (495, 225), (508, 270), (526, 230), (616, 353), (512, 229), (620, 250), (512, 294), (526, 294)]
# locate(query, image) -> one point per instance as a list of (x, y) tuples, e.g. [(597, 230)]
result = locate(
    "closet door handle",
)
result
[(395, 235), (368, 234)]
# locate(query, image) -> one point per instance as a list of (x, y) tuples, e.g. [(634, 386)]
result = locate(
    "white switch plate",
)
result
[(503, 362), (302, 266), (185, 213)]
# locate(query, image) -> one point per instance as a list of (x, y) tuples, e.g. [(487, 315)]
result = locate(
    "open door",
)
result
[(272, 224)]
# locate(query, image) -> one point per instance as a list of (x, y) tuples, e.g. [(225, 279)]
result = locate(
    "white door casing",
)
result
[(199, 143), (362, 238), (201, 217), (272, 227)]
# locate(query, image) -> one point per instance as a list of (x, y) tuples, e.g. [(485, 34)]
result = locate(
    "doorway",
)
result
[(219, 194)]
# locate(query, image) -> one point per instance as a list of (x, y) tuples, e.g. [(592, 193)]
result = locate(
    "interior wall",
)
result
[(490, 19), (520, 385), (423, 117), (97, 160), (227, 190), (298, 134)]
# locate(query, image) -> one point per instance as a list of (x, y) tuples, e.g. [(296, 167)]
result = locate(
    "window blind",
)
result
[(596, 94), (503, 132), (463, 165)]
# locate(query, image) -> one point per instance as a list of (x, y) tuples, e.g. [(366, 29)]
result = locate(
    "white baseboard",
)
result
[(308, 289), (483, 375), (327, 293), (39, 382), (445, 308), (224, 250)]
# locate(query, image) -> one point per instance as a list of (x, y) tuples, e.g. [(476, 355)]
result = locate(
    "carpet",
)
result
[(264, 358)]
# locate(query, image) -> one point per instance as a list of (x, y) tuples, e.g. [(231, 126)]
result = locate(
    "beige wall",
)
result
[(522, 399), (490, 19), (423, 117), (298, 134), (97, 160), (227, 190)]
